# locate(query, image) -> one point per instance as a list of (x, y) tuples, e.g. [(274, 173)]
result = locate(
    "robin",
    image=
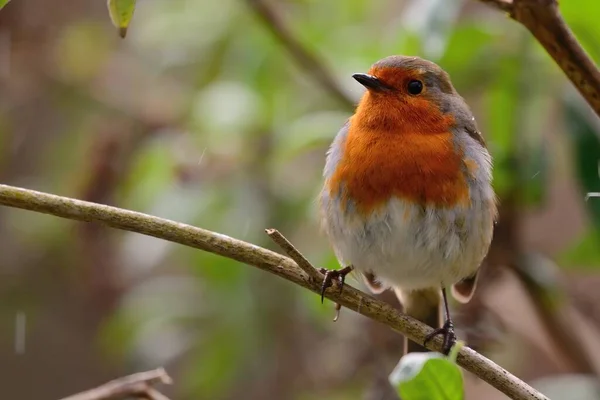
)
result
[(407, 200)]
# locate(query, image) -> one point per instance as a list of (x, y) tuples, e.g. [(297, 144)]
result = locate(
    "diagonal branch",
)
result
[(543, 19), (309, 61), (268, 261), (138, 385), (295, 255)]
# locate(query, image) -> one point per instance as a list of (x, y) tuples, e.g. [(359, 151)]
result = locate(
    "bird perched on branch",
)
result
[(407, 200)]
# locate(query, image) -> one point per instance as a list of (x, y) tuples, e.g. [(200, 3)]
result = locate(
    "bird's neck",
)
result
[(399, 116)]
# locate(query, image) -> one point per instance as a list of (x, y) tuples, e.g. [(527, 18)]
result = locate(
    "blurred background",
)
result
[(204, 115)]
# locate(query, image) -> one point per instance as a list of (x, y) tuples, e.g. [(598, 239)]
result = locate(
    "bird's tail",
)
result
[(423, 305)]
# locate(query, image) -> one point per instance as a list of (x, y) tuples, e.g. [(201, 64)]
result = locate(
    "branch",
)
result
[(309, 61), (268, 261), (295, 255), (543, 19), (132, 386)]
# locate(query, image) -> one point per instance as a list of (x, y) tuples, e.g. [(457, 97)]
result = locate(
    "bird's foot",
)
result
[(331, 274), (449, 336)]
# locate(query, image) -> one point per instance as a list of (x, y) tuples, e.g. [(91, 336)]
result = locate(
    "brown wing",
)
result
[(475, 134)]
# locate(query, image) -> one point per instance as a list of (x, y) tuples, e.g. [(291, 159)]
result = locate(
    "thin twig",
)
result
[(266, 260), (131, 386), (543, 19), (295, 255), (314, 66)]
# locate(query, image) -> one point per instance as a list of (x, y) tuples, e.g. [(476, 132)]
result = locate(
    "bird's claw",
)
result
[(449, 336), (330, 275)]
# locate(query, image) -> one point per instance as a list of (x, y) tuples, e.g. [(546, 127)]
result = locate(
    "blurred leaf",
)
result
[(542, 278), (502, 104), (533, 170), (432, 21), (307, 132), (214, 367), (585, 253), (459, 60), (582, 18), (569, 386), (153, 319), (116, 337), (530, 146), (82, 49), (585, 136), (168, 32), (583, 131), (121, 12), (427, 376), (223, 274), (3, 3), (151, 172)]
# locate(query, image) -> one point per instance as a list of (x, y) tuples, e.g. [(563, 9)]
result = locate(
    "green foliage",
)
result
[(581, 16), (428, 376), (585, 136), (584, 253), (3, 3), (432, 22)]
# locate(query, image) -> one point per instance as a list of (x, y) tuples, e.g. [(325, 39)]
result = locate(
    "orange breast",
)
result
[(413, 166)]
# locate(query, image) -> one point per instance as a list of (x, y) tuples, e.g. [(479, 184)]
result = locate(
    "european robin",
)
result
[(407, 200)]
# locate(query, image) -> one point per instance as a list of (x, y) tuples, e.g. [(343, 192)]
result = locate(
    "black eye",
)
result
[(415, 87)]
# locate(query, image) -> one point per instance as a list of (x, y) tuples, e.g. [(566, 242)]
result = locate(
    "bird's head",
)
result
[(408, 91)]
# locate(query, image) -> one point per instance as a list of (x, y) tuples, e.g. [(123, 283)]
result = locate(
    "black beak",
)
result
[(370, 82)]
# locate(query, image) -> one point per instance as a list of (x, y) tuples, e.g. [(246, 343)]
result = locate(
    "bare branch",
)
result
[(266, 260), (295, 255), (309, 61), (132, 386), (543, 19)]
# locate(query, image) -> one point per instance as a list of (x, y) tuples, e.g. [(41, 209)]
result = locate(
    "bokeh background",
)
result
[(202, 116)]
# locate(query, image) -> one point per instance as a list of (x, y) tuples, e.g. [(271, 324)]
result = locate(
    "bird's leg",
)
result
[(447, 329), (331, 274)]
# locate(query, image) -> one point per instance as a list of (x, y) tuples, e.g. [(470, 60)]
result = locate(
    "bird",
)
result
[(407, 200)]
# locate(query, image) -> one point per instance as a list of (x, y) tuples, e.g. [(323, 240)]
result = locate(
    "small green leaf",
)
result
[(3, 3), (455, 350), (121, 12), (427, 376)]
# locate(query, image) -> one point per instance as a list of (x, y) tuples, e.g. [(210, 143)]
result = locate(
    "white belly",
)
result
[(412, 247)]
